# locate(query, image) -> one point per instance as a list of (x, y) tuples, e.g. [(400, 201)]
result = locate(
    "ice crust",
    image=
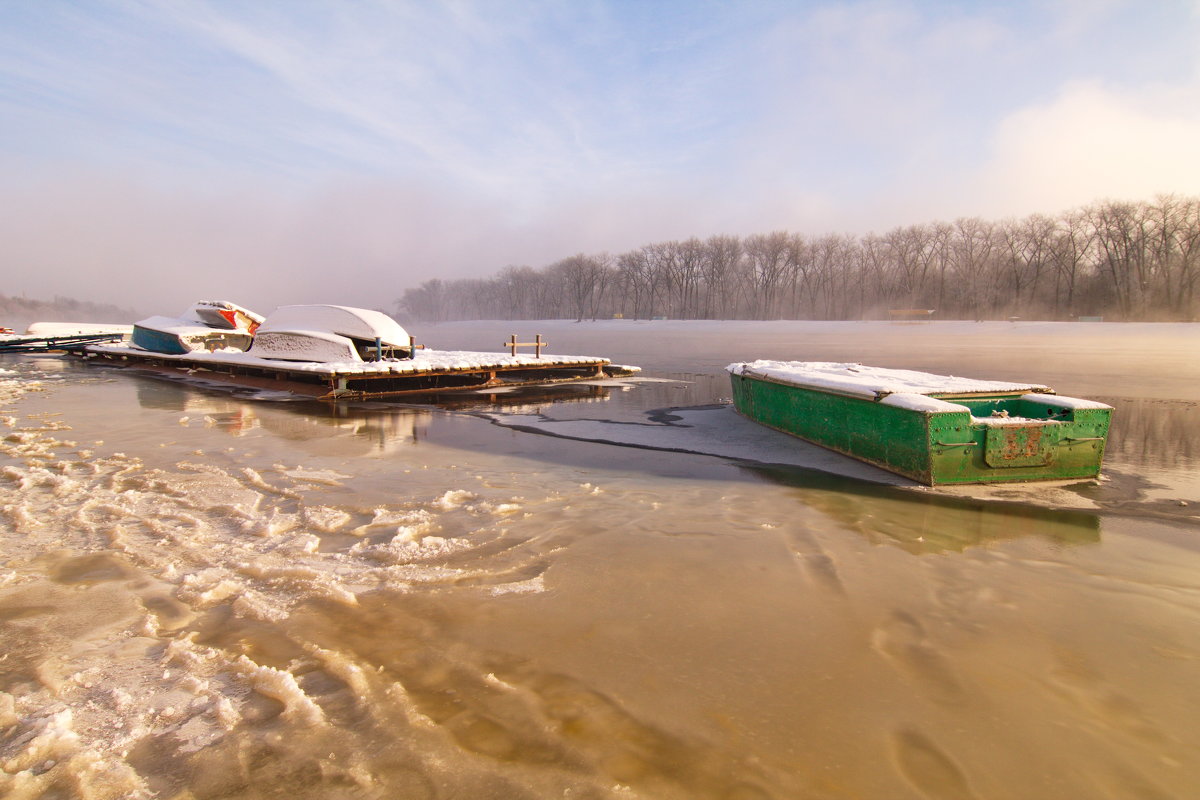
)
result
[(175, 543)]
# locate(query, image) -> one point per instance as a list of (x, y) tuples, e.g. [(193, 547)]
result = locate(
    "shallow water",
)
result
[(565, 594)]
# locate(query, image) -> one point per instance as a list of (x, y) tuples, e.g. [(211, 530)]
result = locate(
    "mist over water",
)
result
[(578, 594)]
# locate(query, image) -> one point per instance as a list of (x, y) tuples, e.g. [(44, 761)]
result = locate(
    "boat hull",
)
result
[(182, 339), (1046, 437)]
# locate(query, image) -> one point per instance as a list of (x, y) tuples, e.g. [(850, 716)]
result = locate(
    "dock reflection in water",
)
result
[(376, 430)]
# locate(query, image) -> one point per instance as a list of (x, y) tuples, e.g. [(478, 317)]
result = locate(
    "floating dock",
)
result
[(428, 371)]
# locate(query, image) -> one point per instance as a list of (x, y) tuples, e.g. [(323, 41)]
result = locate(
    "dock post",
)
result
[(378, 349)]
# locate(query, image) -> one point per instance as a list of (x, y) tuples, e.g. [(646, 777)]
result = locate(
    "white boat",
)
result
[(50, 329), (329, 334), (176, 336), (225, 315), (311, 346), (205, 326), (48, 336)]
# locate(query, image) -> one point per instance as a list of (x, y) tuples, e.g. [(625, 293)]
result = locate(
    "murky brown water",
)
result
[(205, 596)]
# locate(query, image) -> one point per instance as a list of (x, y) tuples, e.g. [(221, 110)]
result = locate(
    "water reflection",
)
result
[(1155, 432), (302, 421), (1152, 454), (924, 523), (525, 399), (248, 600)]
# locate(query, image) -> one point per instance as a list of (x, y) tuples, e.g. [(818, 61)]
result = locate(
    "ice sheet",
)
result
[(137, 552), (721, 432), (715, 431)]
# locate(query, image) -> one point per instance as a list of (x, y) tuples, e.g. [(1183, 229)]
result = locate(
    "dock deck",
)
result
[(427, 372)]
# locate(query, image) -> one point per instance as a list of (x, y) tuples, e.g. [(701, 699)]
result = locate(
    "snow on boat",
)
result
[(935, 429), (354, 323), (206, 325), (317, 346), (51, 329), (225, 315), (326, 333), (41, 337), (339, 352), (177, 336)]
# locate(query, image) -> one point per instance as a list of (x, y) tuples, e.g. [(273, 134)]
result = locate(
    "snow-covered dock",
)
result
[(427, 371), (329, 352)]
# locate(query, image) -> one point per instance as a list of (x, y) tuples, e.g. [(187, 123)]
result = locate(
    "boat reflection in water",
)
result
[(923, 522), (917, 521)]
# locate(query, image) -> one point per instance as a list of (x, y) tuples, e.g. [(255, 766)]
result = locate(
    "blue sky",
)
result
[(271, 152)]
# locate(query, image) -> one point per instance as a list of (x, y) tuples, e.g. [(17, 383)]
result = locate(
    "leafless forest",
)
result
[(19, 311), (1118, 260)]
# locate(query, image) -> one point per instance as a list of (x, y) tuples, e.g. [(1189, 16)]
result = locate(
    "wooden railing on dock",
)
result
[(512, 344)]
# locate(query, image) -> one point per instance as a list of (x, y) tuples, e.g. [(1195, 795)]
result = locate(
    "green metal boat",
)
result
[(936, 429)]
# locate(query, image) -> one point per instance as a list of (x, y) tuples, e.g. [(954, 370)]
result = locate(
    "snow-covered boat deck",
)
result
[(874, 383)]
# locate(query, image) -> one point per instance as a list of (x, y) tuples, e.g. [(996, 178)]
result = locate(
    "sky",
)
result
[(267, 152)]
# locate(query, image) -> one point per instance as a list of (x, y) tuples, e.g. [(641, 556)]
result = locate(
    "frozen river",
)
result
[(616, 590)]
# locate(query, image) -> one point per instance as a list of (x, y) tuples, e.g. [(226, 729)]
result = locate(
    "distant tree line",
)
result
[(1119, 260), (61, 309)]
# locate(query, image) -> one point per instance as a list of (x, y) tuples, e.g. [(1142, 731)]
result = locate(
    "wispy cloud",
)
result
[(410, 139)]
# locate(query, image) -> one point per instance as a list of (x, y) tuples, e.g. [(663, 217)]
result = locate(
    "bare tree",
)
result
[(1120, 232), (1132, 260), (584, 279), (1068, 251), (720, 267), (767, 261), (971, 254)]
